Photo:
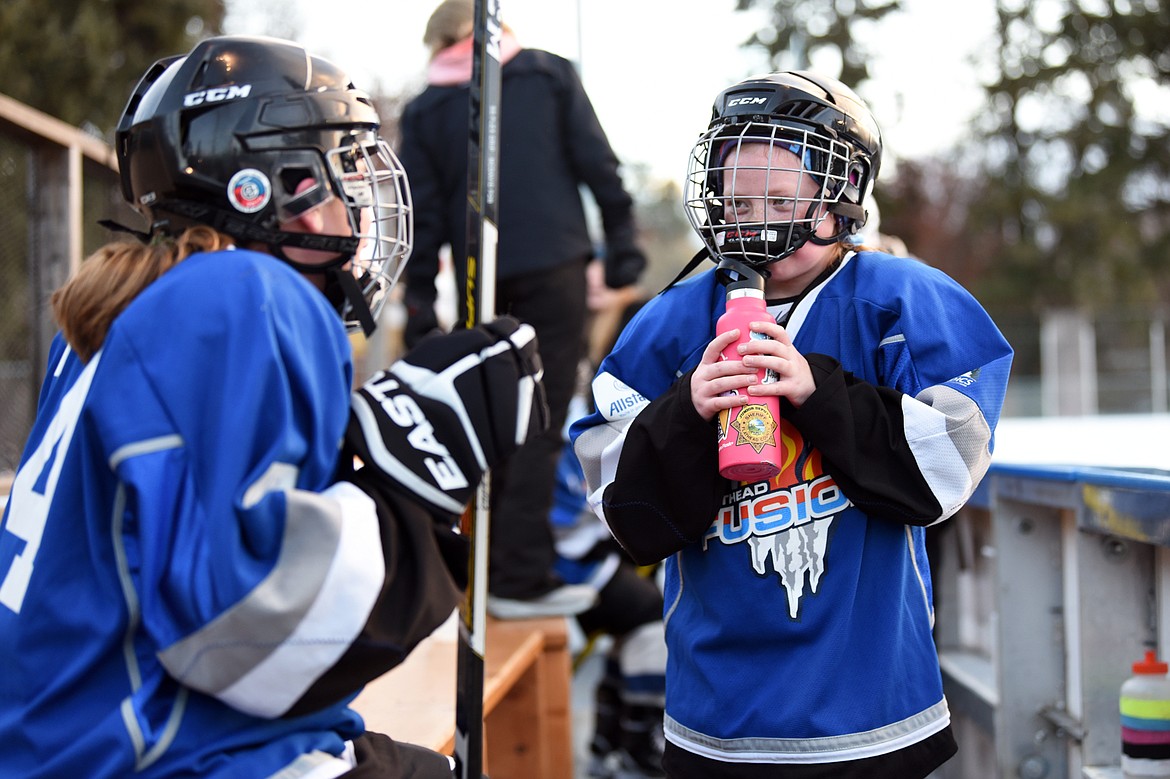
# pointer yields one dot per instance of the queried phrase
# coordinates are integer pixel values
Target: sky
(653, 67)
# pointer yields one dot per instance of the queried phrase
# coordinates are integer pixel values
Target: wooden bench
(526, 701)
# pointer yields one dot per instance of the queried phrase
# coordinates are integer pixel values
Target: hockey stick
(480, 301)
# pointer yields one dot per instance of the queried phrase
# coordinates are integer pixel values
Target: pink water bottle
(749, 436)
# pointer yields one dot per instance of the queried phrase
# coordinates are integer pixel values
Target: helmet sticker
(249, 191)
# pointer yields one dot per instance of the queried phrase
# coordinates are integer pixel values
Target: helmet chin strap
(830, 240)
(842, 214)
(846, 214)
(341, 288)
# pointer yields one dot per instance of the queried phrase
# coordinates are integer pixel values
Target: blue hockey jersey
(177, 569)
(799, 609)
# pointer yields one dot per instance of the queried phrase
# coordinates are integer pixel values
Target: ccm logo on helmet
(746, 101)
(216, 95)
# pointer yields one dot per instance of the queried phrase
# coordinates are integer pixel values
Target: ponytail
(110, 278)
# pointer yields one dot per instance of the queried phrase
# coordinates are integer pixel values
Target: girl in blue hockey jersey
(195, 579)
(798, 609)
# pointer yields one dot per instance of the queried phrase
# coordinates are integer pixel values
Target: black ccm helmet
(224, 135)
(792, 121)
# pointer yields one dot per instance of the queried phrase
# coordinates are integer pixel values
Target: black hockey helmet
(224, 135)
(830, 135)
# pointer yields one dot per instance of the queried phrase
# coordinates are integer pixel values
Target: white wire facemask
(756, 192)
(373, 185)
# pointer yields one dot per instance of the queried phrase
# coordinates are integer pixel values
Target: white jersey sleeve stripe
(598, 449)
(295, 625)
(149, 446)
(951, 442)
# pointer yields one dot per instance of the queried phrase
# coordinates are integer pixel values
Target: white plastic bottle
(1145, 720)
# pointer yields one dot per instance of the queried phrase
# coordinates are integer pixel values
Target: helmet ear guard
(851, 204)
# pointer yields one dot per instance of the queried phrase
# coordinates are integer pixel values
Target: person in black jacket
(550, 144)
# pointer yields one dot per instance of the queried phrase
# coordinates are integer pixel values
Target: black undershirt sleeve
(667, 489)
(860, 430)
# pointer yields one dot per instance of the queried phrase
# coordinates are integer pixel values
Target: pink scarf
(452, 65)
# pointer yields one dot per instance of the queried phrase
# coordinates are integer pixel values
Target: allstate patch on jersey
(615, 399)
(249, 191)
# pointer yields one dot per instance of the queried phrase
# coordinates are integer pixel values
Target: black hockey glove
(450, 409)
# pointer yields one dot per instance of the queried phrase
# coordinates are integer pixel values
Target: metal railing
(1050, 585)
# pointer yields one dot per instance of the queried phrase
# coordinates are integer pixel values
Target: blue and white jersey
(798, 609)
(176, 567)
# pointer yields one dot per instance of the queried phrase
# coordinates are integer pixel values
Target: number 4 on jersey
(33, 488)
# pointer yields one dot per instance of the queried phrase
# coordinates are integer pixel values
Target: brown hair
(110, 278)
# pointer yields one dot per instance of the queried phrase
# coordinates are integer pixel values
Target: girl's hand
(714, 377)
(794, 379)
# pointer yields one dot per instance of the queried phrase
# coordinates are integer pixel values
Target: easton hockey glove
(452, 408)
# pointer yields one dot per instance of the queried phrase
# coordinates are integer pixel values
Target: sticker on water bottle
(755, 426)
(770, 376)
